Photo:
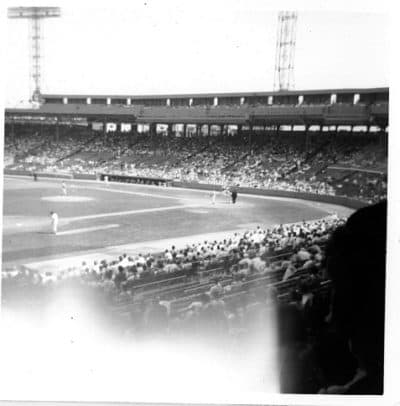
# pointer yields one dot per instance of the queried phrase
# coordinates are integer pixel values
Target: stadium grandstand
(330, 142)
(326, 146)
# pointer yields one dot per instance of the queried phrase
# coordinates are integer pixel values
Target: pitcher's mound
(66, 199)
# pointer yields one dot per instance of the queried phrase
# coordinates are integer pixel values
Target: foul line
(87, 229)
(128, 212)
(127, 192)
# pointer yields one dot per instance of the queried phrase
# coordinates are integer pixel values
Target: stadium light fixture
(35, 15)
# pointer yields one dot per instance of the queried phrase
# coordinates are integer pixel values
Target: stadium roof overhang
(307, 115)
(341, 114)
(90, 112)
(231, 94)
(194, 120)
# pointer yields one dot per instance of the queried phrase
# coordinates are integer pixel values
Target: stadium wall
(338, 200)
(40, 174)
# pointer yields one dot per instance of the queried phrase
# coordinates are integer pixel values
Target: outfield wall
(39, 174)
(338, 200)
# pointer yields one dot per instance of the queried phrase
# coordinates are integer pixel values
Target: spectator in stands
(120, 277)
(356, 262)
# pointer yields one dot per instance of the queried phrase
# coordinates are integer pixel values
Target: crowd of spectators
(243, 254)
(208, 290)
(230, 291)
(230, 288)
(284, 162)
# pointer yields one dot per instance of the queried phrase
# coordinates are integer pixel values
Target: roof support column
(250, 140)
(104, 128)
(12, 133)
(170, 130)
(307, 138)
(57, 129)
(152, 129)
(198, 130)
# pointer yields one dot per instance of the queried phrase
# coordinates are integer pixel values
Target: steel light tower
(285, 49)
(35, 15)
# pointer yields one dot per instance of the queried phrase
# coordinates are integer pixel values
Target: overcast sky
(153, 47)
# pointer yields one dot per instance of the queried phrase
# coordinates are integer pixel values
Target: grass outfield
(94, 216)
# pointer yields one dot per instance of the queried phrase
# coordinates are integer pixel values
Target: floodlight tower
(285, 49)
(35, 15)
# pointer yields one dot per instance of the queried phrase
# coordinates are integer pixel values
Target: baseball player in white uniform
(54, 221)
(213, 197)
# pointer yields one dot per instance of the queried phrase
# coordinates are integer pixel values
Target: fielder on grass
(213, 196)
(54, 221)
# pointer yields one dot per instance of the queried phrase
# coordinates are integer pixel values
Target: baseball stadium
(232, 225)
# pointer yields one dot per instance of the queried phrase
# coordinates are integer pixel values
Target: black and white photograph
(195, 202)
